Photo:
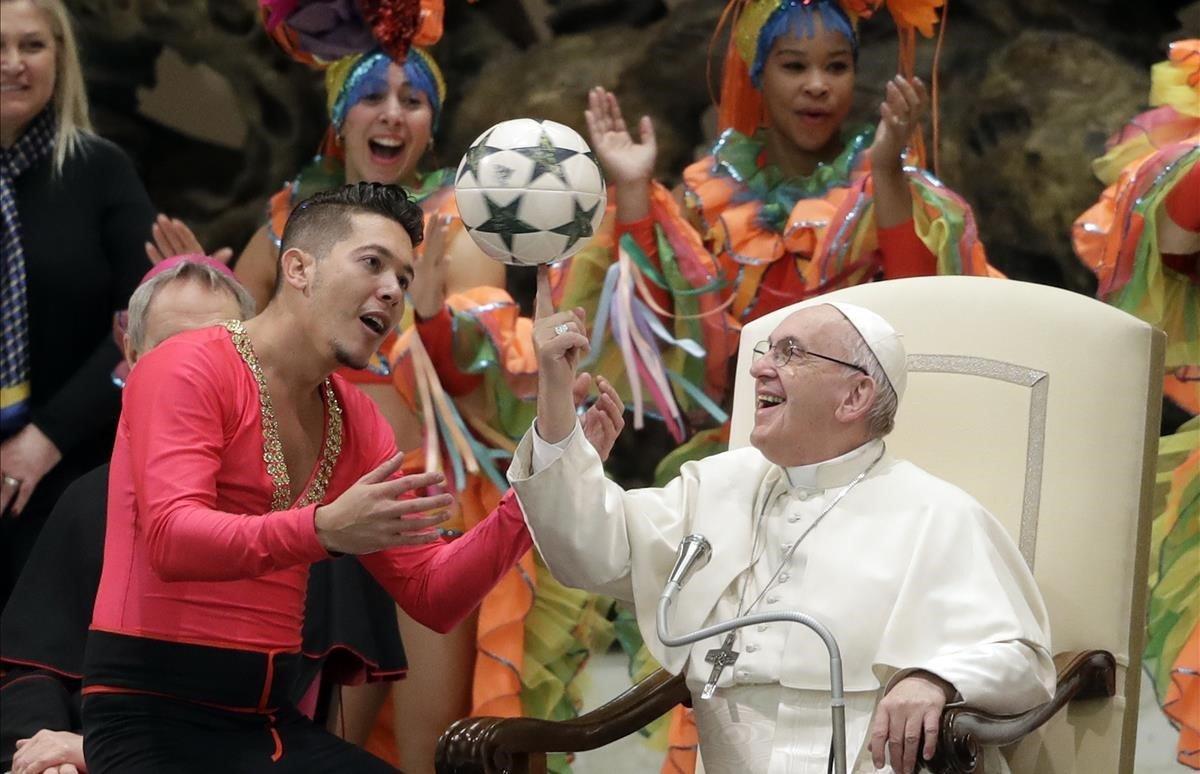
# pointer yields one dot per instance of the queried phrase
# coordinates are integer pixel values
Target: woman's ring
(561, 328)
(12, 481)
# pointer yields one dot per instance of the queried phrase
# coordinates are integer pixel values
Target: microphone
(694, 553)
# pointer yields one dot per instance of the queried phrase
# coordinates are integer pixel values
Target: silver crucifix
(720, 658)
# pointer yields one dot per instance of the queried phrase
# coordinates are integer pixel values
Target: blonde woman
(75, 218)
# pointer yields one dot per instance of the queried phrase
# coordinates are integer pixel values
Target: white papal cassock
(907, 571)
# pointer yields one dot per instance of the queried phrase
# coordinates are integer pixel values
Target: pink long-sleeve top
(193, 551)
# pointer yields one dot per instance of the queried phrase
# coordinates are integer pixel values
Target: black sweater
(83, 234)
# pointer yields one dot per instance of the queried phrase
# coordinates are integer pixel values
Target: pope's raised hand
(560, 340)
(380, 512)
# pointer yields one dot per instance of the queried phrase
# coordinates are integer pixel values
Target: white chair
(1044, 405)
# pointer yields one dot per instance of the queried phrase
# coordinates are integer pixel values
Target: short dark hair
(323, 219)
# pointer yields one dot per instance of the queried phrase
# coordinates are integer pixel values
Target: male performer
(926, 594)
(240, 460)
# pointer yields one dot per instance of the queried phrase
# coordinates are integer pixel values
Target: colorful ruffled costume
(668, 294)
(1152, 172)
(534, 635)
(748, 240)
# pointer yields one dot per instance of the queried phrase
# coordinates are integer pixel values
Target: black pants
(140, 734)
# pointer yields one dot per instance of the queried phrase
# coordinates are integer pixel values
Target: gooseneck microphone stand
(694, 553)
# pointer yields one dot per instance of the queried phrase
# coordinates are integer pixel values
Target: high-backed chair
(1044, 405)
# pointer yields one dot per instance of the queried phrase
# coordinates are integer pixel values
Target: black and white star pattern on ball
(579, 226)
(503, 220)
(547, 158)
(474, 155)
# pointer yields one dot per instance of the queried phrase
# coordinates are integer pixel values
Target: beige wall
(194, 100)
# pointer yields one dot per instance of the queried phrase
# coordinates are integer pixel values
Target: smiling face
(810, 409)
(808, 88)
(27, 65)
(355, 293)
(388, 129)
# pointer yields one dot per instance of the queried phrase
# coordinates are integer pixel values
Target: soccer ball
(530, 192)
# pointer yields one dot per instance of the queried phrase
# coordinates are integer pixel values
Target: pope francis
(926, 594)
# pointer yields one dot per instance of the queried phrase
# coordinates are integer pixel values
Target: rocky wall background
(217, 119)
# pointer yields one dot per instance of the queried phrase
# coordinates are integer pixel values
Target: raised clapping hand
(903, 107)
(624, 159)
(907, 721)
(369, 516)
(428, 287)
(173, 237)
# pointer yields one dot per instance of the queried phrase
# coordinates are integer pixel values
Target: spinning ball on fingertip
(530, 192)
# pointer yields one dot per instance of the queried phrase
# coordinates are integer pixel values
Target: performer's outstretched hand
(560, 339)
(605, 419)
(369, 516)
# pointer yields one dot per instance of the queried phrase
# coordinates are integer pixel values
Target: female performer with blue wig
(789, 203)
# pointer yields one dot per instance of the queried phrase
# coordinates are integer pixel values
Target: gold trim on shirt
(272, 447)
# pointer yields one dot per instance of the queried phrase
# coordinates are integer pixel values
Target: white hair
(881, 418)
(215, 279)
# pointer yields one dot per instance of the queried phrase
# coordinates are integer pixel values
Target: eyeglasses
(785, 350)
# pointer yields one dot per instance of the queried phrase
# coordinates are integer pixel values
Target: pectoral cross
(720, 658)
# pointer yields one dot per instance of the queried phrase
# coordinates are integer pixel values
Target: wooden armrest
(519, 745)
(1082, 675)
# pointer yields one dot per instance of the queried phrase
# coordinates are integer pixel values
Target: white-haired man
(926, 594)
(44, 625)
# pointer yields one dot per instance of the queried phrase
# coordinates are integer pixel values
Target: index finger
(385, 470)
(411, 483)
(544, 303)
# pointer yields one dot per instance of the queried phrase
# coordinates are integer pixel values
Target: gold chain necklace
(272, 447)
